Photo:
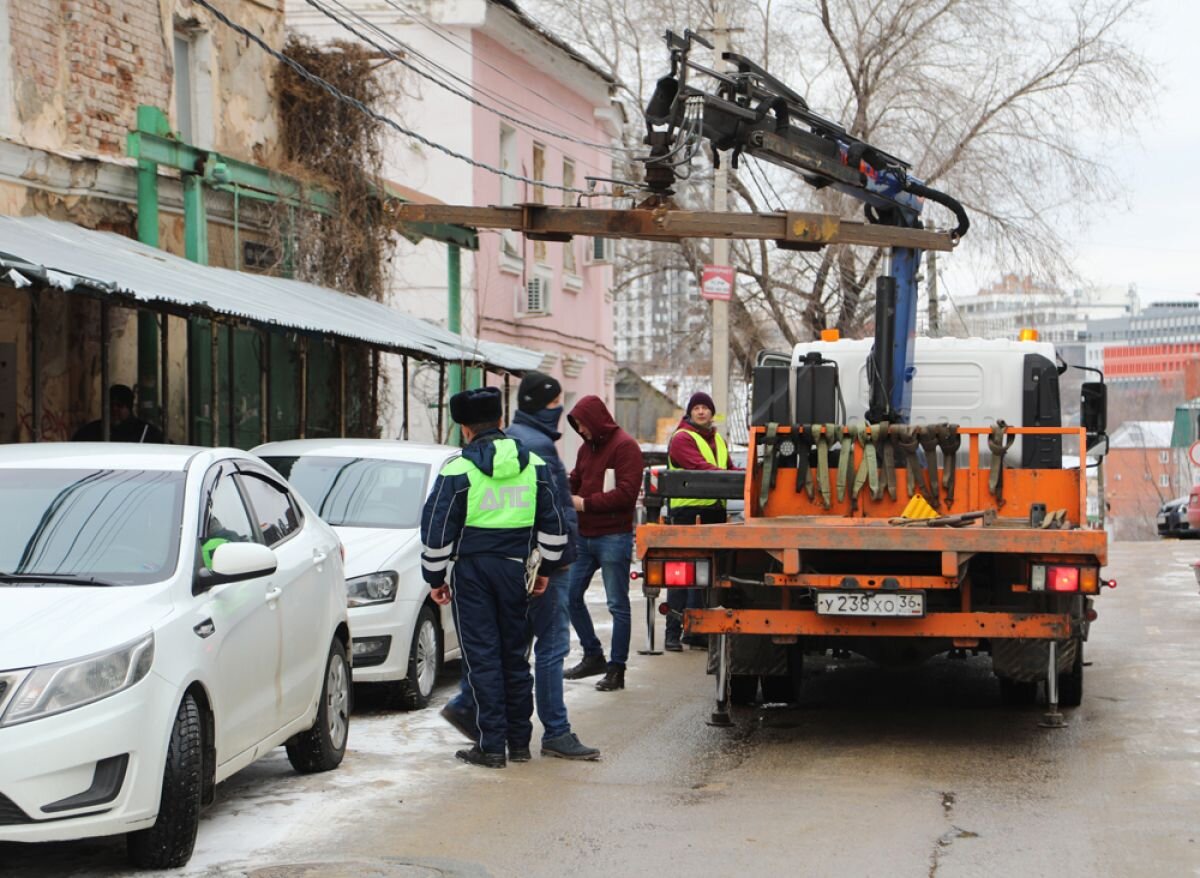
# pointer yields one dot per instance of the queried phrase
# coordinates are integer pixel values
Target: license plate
(871, 603)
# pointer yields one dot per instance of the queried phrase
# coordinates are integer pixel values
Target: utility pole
(720, 253)
(935, 326)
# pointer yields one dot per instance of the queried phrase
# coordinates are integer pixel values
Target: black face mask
(549, 417)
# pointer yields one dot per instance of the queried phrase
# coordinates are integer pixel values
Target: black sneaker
(462, 721)
(519, 754)
(475, 756)
(569, 746)
(590, 666)
(672, 644)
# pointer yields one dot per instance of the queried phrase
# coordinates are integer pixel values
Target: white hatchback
(372, 491)
(167, 616)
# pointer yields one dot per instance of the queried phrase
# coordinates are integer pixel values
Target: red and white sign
(716, 282)
(1194, 453)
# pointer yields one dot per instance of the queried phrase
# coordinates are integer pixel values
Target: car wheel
(168, 843)
(323, 746)
(424, 663)
(1070, 684)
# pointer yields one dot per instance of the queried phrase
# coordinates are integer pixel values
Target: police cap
(478, 406)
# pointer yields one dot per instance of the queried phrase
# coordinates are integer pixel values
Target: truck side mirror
(1093, 408)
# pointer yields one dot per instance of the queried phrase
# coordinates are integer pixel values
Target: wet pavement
(918, 772)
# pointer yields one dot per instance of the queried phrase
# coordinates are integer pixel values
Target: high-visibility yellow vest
(720, 460)
(507, 499)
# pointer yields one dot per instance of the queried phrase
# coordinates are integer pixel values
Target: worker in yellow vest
(695, 445)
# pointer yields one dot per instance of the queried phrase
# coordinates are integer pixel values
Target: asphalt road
(913, 773)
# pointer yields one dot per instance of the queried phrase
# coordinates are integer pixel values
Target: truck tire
(1070, 684)
(424, 663)
(322, 747)
(743, 688)
(168, 843)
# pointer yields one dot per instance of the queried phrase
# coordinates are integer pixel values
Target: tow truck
(903, 497)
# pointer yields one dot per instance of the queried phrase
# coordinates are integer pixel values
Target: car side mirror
(236, 562)
(1093, 409)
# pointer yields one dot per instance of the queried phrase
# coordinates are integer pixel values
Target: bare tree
(1004, 105)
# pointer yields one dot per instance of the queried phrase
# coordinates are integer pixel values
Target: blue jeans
(611, 555)
(550, 628)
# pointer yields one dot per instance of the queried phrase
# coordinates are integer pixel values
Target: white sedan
(372, 492)
(167, 616)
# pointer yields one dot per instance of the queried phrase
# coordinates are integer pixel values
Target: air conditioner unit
(537, 295)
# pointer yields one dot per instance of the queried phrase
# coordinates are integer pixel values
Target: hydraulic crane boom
(753, 113)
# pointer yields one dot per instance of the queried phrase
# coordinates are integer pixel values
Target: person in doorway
(488, 510)
(535, 426)
(695, 445)
(123, 425)
(604, 488)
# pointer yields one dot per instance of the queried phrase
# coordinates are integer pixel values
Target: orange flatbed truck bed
(998, 585)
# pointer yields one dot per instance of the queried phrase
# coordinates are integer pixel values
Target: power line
(560, 135)
(306, 74)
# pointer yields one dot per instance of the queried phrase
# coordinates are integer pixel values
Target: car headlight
(374, 588)
(51, 689)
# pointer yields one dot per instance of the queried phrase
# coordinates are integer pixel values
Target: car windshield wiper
(54, 578)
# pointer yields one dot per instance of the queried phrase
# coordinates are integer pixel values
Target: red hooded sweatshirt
(604, 512)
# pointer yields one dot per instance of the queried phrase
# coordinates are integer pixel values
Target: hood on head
(497, 455)
(593, 414)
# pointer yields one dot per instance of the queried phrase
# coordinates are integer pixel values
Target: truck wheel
(168, 843)
(743, 688)
(323, 746)
(1018, 693)
(424, 662)
(1070, 684)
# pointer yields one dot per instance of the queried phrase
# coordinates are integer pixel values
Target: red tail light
(1062, 579)
(680, 573)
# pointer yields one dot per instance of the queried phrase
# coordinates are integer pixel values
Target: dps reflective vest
(720, 460)
(496, 499)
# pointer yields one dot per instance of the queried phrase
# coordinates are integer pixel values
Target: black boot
(671, 643)
(475, 756)
(589, 666)
(614, 679)
(517, 753)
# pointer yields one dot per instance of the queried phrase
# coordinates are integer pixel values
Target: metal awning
(74, 259)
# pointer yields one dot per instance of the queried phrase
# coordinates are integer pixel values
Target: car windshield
(115, 526)
(358, 491)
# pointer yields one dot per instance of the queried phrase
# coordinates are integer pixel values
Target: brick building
(1141, 472)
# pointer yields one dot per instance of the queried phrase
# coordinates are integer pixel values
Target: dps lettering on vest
(720, 460)
(508, 502)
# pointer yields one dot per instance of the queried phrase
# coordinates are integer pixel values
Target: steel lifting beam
(805, 231)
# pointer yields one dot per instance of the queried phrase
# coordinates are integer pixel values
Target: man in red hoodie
(695, 445)
(604, 488)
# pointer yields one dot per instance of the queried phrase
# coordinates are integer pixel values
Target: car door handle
(319, 556)
(204, 629)
(273, 594)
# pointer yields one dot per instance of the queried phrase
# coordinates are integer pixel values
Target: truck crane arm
(751, 112)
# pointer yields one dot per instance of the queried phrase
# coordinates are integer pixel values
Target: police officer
(487, 512)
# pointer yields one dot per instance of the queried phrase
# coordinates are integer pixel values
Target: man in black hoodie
(488, 510)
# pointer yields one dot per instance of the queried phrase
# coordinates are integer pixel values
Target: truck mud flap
(753, 654)
(1025, 660)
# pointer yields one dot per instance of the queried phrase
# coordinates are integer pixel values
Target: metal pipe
(231, 400)
(454, 319)
(507, 393)
(264, 385)
(105, 407)
(374, 427)
(151, 395)
(35, 364)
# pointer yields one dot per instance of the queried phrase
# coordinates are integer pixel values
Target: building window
(184, 120)
(193, 87)
(1164, 456)
(508, 187)
(539, 195)
(1164, 481)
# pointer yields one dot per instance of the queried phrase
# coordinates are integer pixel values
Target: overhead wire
(307, 75)
(557, 134)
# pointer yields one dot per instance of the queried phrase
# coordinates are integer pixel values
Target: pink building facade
(550, 297)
